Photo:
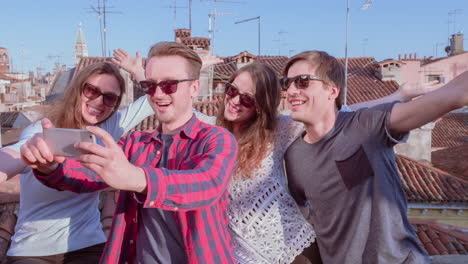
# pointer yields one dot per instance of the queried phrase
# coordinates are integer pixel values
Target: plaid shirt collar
(189, 129)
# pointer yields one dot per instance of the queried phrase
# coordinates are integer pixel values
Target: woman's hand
(134, 65)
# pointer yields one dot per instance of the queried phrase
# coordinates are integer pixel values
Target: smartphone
(61, 141)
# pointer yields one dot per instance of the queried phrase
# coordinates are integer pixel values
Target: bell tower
(81, 49)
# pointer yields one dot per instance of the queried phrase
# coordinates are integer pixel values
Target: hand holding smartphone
(61, 141)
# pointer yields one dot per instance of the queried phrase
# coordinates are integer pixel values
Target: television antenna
(101, 10)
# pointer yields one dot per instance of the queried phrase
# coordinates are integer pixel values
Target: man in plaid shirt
(173, 201)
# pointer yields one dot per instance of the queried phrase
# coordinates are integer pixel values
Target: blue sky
(37, 32)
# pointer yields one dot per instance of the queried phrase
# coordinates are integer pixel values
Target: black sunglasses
(168, 87)
(92, 92)
(300, 81)
(245, 99)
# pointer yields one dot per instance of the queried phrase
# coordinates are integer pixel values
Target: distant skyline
(40, 33)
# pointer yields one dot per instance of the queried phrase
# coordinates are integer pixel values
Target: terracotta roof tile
(86, 61)
(424, 183)
(450, 131)
(452, 160)
(224, 70)
(275, 62)
(440, 239)
(7, 119)
(362, 82)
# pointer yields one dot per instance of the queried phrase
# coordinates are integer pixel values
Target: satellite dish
(447, 49)
(366, 5)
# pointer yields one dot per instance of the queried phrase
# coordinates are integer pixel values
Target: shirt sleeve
(205, 118)
(376, 123)
(127, 118)
(200, 181)
(71, 176)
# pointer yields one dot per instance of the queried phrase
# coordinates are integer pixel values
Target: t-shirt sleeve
(127, 118)
(376, 122)
(287, 131)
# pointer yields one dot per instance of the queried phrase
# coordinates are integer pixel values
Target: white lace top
(266, 224)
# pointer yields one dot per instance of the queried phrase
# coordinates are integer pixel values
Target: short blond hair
(167, 48)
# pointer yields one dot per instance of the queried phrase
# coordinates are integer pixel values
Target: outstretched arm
(134, 65)
(11, 164)
(406, 92)
(413, 114)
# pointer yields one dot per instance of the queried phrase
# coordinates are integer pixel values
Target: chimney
(399, 56)
(405, 57)
(456, 44)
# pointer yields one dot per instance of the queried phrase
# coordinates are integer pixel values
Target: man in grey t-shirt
(344, 167)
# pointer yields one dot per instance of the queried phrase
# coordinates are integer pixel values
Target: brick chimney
(456, 44)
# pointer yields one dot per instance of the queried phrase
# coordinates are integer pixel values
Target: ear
(334, 92)
(194, 88)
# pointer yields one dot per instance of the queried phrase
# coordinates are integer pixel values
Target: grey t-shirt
(159, 239)
(350, 181)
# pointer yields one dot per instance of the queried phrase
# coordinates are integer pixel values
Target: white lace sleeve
(287, 131)
(211, 120)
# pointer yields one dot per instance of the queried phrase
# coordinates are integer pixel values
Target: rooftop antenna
(174, 7)
(280, 40)
(250, 19)
(452, 20)
(212, 20)
(364, 45)
(101, 11)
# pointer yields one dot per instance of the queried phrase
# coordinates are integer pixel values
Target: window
(439, 78)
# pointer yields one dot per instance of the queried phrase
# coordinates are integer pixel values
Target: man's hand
(36, 154)
(111, 164)
(134, 65)
(408, 91)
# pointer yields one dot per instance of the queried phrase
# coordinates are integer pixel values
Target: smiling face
(95, 111)
(234, 111)
(311, 104)
(173, 110)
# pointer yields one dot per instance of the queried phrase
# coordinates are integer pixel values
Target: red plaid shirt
(201, 161)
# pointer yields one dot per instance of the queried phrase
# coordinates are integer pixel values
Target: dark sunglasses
(168, 87)
(300, 81)
(245, 99)
(92, 92)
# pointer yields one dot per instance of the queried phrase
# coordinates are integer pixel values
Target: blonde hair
(165, 48)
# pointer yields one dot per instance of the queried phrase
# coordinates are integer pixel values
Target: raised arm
(11, 164)
(414, 114)
(405, 93)
(134, 65)
(202, 182)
